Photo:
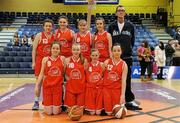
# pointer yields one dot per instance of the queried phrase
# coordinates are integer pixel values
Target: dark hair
(94, 50)
(162, 45)
(116, 44)
(99, 18)
(64, 17)
(146, 44)
(48, 20)
(118, 7)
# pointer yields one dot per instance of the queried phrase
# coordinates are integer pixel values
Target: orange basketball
(119, 111)
(75, 112)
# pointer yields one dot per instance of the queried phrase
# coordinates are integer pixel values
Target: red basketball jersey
(94, 75)
(53, 72)
(85, 42)
(102, 44)
(75, 72)
(66, 39)
(44, 45)
(113, 74)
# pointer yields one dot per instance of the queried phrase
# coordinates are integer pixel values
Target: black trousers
(129, 96)
(160, 73)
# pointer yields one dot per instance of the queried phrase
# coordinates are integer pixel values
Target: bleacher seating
(16, 60)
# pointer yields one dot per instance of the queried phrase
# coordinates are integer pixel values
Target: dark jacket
(125, 38)
(169, 50)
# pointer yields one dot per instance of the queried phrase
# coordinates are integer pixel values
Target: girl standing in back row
(102, 40)
(65, 36)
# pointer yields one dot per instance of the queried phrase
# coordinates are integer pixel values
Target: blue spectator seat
(14, 65)
(21, 53)
(28, 53)
(29, 48)
(18, 59)
(8, 48)
(27, 59)
(15, 48)
(5, 65)
(24, 65)
(9, 59)
(9, 44)
(23, 48)
(2, 59)
(5, 53)
(12, 53)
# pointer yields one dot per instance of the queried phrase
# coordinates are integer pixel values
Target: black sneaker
(103, 113)
(132, 107)
(35, 106)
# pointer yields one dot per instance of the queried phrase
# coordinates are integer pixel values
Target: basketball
(119, 111)
(75, 112)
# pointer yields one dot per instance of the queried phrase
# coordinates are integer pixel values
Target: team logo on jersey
(84, 47)
(90, 69)
(75, 74)
(109, 67)
(45, 41)
(46, 49)
(112, 75)
(126, 33)
(63, 42)
(94, 77)
(49, 63)
(99, 45)
(71, 65)
(54, 71)
(78, 40)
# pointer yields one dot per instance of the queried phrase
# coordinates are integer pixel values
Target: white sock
(36, 99)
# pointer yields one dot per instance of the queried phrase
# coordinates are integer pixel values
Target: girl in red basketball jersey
(65, 36)
(94, 82)
(41, 48)
(102, 40)
(75, 76)
(84, 37)
(114, 84)
(52, 72)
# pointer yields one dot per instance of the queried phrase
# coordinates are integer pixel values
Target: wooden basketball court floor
(160, 100)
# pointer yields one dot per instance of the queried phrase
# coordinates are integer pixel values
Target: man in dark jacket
(122, 32)
(169, 50)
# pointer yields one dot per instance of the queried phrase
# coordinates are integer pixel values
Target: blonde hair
(80, 55)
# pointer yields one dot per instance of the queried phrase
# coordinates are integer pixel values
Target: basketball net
(91, 4)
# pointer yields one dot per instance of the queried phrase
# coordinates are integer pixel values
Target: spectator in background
(32, 39)
(150, 65)
(160, 59)
(178, 35)
(24, 41)
(144, 54)
(16, 39)
(176, 57)
(169, 50)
